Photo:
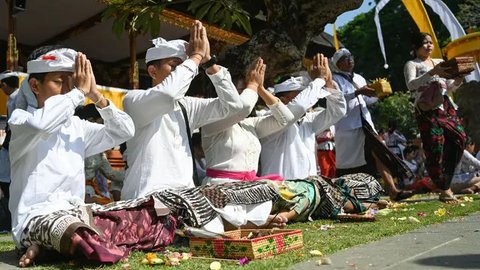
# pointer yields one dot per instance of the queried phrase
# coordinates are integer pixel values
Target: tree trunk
(290, 26)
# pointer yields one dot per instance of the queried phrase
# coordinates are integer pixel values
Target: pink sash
(242, 176)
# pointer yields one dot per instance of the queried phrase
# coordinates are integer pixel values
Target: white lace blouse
(416, 76)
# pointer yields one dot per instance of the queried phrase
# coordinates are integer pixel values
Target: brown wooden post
(134, 80)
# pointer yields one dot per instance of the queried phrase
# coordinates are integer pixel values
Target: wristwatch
(209, 63)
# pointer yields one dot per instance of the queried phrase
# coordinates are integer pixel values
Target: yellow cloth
(420, 16)
(114, 94)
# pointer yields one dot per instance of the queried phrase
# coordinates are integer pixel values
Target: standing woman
(442, 134)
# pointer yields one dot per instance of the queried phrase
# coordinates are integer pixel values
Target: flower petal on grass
(215, 265)
(316, 252)
(440, 212)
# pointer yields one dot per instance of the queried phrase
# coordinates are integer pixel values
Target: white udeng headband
(57, 60)
(8, 74)
(292, 84)
(339, 54)
(166, 49)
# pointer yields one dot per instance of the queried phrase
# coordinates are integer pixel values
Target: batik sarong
(102, 233)
(443, 139)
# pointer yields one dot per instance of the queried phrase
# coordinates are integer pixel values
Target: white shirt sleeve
(204, 111)
(413, 82)
(117, 128)
(470, 160)
(336, 109)
(267, 125)
(249, 99)
(28, 128)
(146, 105)
(307, 98)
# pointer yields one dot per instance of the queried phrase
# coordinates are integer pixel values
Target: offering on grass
(251, 244)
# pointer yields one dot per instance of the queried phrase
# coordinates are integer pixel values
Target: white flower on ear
(157, 42)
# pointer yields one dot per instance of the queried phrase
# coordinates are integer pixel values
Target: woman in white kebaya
(232, 146)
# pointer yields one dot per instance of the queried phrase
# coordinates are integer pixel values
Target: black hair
(86, 112)
(154, 62)
(409, 149)
(392, 124)
(417, 41)
(469, 141)
(11, 81)
(36, 54)
(197, 139)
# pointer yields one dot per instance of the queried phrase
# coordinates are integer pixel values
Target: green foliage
(398, 108)
(143, 16)
(137, 16)
(469, 14)
(224, 13)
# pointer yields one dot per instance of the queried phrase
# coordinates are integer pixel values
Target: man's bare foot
(446, 196)
(29, 257)
(278, 221)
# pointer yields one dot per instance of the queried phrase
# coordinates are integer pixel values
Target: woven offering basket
(459, 66)
(382, 89)
(238, 246)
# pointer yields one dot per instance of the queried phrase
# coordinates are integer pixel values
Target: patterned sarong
(103, 233)
(443, 139)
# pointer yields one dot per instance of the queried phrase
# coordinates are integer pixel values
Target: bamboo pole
(134, 80)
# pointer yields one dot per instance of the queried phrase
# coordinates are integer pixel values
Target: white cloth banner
(379, 7)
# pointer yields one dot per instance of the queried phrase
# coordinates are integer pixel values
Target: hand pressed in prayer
(255, 74)
(319, 68)
(83, 72)
(198, 44)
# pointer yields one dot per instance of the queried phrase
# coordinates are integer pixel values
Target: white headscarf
(164, 49)
(53, 61)
(57, 60)
(7, 74)
(292, 84)
(339, 54)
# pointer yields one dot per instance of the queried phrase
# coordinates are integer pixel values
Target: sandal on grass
(448, 199)
(402, 195)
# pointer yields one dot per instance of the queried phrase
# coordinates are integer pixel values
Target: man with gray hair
(357, 150)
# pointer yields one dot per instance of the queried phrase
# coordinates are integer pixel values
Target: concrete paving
(451, 245)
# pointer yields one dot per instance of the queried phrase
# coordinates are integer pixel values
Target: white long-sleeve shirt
(291, 152)
(47, 153)
(232, 144)
(352, 119)
(159, 156)
(467, 168)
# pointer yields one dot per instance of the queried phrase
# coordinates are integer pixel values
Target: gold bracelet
(99, 100)
(201, 56)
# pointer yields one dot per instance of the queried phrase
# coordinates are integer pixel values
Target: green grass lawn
(343, 235)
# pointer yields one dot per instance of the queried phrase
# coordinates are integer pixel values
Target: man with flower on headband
(159, 157)
(47, 153)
